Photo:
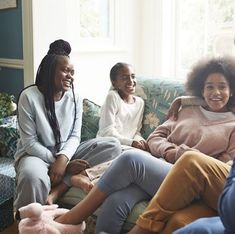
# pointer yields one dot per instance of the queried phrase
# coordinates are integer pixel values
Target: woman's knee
(128, 160)
(109, 145)
(134, 156)
(33, 177)
(112, 142)
(193, 159)
(201, 162)
(140, 162)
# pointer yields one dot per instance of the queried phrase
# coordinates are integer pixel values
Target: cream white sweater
(120, 119)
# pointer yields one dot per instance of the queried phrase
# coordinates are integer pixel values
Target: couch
(157, 93)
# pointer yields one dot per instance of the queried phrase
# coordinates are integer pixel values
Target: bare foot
(82, 182)
(56, 192)
(50, 199)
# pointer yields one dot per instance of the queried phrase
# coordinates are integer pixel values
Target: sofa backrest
(158, 94)
(90, 120)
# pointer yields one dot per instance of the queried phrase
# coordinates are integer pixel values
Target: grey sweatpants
(33, 182)
(133, 177)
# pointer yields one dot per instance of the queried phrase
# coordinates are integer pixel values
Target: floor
(13, 229)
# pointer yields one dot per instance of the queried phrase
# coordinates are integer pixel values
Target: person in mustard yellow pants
(193, 185)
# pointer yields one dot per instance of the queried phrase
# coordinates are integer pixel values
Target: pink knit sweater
(211, 133)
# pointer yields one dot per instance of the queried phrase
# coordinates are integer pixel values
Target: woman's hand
(224, 157)
(174, 109)
(170, 156)
(143, 145)
(57, 170)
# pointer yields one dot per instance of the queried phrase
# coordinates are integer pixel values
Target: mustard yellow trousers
(190, 191)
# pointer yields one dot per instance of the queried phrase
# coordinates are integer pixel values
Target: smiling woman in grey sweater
(49, 118)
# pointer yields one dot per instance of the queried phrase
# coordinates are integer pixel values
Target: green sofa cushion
(158, 95)
(90, 120)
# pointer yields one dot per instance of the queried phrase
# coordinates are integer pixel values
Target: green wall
(11, 47)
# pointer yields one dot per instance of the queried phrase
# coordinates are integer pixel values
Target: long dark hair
(45, 80)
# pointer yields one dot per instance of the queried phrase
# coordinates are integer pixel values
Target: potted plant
(7, 105)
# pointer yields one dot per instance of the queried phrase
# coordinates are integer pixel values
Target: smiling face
(125, 82)
(63, 76)
(216, 92)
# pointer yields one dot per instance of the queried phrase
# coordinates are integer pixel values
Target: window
(94, 19)
(204, 28)
(195, 29)
(96, 23)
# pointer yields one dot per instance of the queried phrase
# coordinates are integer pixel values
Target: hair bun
(59, 47)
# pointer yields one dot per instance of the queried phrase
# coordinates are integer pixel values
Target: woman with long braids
(49, 118)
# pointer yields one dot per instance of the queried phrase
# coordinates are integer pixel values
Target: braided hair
(45, 79)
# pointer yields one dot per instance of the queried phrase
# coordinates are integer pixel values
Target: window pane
(94, 19)
(203, 28)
